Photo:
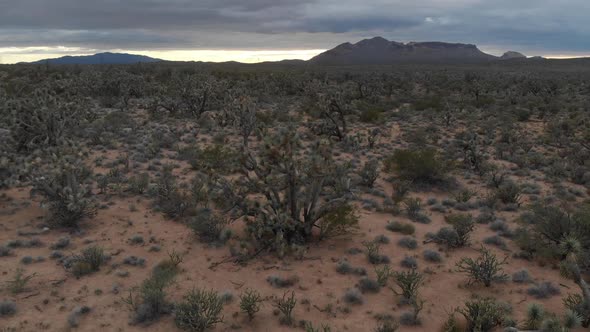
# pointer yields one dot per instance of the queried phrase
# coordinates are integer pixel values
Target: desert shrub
(367, 285)
(149, 302)
(66, 192)
(571, 319)
(413, 207)
(341, 220)
(463, 196)
(408, 283)
(74, 316)
(285, 306)
(344, 267)
(408, 242)
(134, 261)
(509, 193)
(353, 296)
(401, 188)
(370, 113)
(387, 326)
(535, 316)
(417, 166)
(7, 308)
(369, 173)
(521, 276)
(383, 274)
(250, 302)
(19, 283)
(138, 184)
(413, 318)
(463, 225)
(400, 227)
(543, 290)
(446, 235)
(409, 262)
(373, 255)
(169, 199)
(136, 239)
(576, 304)
(5, 251)
(483, 315)
(217, 157)
(200, 310)
(485, 268)
(432, 256)
(88, 261)
(280, 282)
(168, 268)
(61, 243)
(209, 226)
(496, 241)
(381, 239)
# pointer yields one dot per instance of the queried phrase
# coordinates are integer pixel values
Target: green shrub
(485, 269)
(483, 315)
(369, 173)
(418, 166)
(199, 311)
(66, 192)
(339, 221)
(401, 227)
(209, 226)
(409, 283)
(88, 261)
(463, 225)
(250, 302)
(285, 306)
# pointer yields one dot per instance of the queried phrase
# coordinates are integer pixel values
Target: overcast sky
(258, 30)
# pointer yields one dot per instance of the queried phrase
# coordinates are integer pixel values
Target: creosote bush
(423, 166)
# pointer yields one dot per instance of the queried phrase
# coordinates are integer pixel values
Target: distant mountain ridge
(106, 58)
(379, 50)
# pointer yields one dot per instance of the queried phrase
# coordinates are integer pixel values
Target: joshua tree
(299, 191)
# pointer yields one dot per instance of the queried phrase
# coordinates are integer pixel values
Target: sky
(266, 30)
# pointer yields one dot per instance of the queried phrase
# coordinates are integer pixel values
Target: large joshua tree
(299, 191)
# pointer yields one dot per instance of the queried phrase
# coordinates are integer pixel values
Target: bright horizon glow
(12, 55)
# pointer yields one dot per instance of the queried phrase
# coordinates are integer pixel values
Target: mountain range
(380, 51)
(374, 51)
(106, 58)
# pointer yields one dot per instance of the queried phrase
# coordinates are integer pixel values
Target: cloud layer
(539, 26)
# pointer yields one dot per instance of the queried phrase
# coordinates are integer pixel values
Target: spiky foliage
(285, 305)
(66, 192)
(299, 192)
(200, 310)
(19, 283)
(250, 302)
(409, 283)
(170, 199)
(43, 119)
(482, 315)
(485, 268)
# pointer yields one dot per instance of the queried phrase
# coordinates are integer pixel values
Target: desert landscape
(431, 188)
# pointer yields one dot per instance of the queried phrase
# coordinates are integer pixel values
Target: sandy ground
(53, 293)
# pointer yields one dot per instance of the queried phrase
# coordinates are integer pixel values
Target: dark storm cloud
(238, 24)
